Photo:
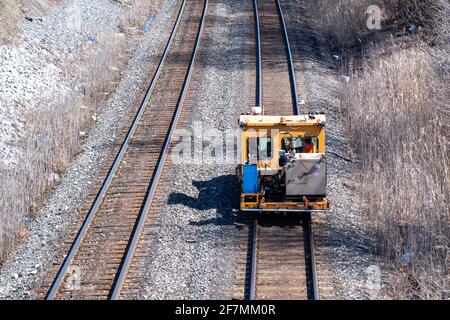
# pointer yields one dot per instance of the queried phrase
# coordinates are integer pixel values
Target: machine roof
(267, 121)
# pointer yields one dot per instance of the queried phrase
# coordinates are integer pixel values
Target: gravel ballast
(25, 268)
(197, 247)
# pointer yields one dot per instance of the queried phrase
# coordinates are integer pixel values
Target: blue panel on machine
(250, 179)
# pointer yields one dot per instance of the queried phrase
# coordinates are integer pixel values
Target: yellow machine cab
(282, 164)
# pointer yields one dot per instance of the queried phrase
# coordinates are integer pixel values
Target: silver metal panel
(305, 177)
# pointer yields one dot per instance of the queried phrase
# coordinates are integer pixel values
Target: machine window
(286, 143)
(259, 148)
(299, 143)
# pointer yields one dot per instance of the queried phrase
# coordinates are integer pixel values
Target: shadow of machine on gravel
(220, 193)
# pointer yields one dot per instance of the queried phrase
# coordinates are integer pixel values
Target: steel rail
(117, 160)
(253, 261)
(154, 181)
(312, 259)
(259, 103)
(259, 92)
(290, 60)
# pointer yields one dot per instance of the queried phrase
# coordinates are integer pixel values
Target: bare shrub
(101, 65)
(441, 37)
(137, 13)
(395, 116)
(345, 21)
(11, 209)
(53, 138)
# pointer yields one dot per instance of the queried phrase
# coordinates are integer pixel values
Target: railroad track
(278, 251)
(277, 88)
(282, 259)
(100, 256)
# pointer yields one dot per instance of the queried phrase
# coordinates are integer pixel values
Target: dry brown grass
(397, 111)
(53, 138)
(396, 107)
(344, 21)
(55, 132)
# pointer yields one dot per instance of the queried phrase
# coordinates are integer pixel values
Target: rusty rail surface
(282, 266)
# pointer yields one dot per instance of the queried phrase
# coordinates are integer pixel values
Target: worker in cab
(308, 146)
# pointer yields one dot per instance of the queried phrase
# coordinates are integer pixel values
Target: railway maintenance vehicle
(282, 166)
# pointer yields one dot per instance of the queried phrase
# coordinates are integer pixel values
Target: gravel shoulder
(26, 266)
